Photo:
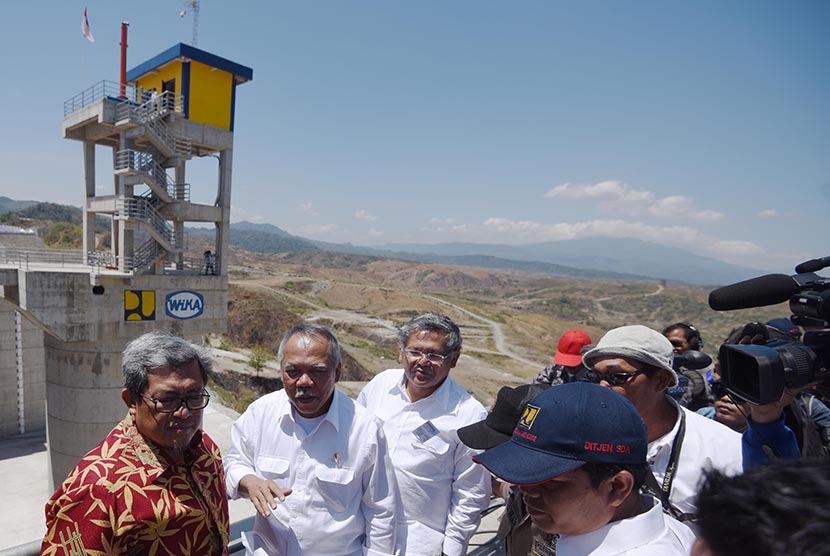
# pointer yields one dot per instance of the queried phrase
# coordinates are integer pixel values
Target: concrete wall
(34, 379)
(83, 358)
(8, 372)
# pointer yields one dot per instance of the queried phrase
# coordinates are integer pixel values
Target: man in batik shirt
(155, 484)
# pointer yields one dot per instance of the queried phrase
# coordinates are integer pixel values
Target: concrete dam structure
(65, 316)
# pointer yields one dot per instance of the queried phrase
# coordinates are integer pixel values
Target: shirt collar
(332, 415)
(154, 458)
(618, 537)
(441, 396)
(658, 444)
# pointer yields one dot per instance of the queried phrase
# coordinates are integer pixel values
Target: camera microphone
(770, 289)
(813, 265)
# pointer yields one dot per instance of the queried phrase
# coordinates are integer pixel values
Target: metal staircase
(146, 122)
(156, 148)
(143, 164)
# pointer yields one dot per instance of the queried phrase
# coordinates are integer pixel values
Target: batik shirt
(127, 497)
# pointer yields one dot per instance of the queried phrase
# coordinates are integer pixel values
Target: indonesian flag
(85, 28)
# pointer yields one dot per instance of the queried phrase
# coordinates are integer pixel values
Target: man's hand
(263, 493)
(771, 412)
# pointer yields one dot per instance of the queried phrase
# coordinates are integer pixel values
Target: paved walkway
(24, 489)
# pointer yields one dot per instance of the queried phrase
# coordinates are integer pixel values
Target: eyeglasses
(172, 405)
(435, 358)
(614, 379)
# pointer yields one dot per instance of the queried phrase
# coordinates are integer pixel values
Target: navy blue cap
(565, 427)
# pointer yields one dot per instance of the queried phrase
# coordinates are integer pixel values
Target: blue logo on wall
(184, 304)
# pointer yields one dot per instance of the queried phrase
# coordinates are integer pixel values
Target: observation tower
(80, 313)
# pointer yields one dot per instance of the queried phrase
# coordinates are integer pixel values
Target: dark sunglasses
(719, 390)
(614, 379)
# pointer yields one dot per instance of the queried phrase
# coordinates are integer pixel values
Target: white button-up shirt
(652, 533)
(344, 499)
(707, 444)
(443, 491)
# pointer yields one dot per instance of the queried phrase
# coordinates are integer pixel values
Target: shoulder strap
(663, 491)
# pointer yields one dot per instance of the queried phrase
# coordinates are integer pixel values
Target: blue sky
(699, 124)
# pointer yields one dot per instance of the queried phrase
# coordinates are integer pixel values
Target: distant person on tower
(443, 492)
(567, 361)
(636, 362)
(155, 484)
(313, 463)
(210, 262)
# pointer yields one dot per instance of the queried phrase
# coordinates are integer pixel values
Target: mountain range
(589, 258)
(599, 258)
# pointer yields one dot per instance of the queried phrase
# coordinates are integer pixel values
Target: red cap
(568, 352)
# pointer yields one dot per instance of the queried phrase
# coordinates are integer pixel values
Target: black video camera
(760, 373)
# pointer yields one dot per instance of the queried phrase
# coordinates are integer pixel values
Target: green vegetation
(238, 401)
(259, 357)
(302, 286)
(376, 349)
(492, 358)
(63, 235)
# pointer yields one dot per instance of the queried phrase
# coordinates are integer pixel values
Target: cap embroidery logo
(529, 415)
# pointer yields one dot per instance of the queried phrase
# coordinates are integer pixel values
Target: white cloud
(707, 215)
(440, 221)
(618, 198)
(768, 213)
(513, 231)
(375, 233)
(365, 215)
(741, 248)
(239, 214)
(322, 229)
(307, 209)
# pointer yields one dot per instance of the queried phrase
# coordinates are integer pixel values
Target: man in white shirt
(636, 361)
(582, 480)
(442, 491)
(313, 463)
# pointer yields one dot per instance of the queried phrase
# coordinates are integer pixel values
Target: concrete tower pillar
(89, 194)
(224, 202)
(178, 225)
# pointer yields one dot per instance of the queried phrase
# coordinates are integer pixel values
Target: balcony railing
(112, 90)
(24, 257)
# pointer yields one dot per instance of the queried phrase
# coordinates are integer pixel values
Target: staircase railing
(151, 115)
(146, 254)
(140, 208)
(144, 162)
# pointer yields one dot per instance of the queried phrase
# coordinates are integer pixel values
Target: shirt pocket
(336, 487)
(435, 445)
(432, 458)
(273, 468)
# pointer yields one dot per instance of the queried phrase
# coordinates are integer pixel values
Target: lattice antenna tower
(192, 6)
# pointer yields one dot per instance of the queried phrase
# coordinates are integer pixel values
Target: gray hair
(315, 330)
(156, 349)
(433, 323)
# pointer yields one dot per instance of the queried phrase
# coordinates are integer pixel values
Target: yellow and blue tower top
(206, 82)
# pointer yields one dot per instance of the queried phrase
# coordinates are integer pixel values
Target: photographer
(795, 425)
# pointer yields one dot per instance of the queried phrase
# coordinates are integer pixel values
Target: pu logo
(529, 415)
(139, 305)
(184, 305)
